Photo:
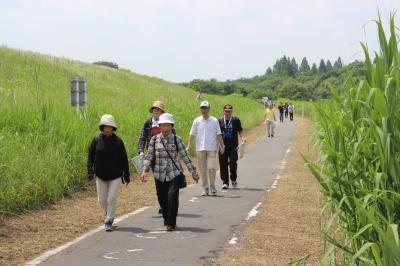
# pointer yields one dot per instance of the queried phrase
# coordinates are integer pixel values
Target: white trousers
(207, 162)
(107, 192)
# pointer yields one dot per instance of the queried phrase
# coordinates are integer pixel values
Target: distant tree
(293, 68)
(322, 66)
(106, 64)
(314, 69)
(304, 66)
(338, 63)
(328, 66)
(269, 71)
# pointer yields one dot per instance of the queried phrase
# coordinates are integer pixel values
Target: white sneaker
(205, 192)
(213, 191)
(225, 186)
(234, 184)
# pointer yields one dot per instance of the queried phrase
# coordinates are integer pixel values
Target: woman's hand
(195, 177)
(144, 176)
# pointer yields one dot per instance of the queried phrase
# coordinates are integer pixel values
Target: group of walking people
(270, 118)
(108, 160)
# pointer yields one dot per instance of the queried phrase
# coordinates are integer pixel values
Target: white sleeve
(218, 128)
(193, 130)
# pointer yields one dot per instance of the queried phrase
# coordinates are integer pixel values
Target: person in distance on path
(291, 111)
(107, 160)
(281, 111)
(207, 132)
(161, 147)
(231, 127)
(270, 119)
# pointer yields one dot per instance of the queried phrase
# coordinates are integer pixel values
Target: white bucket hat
(108, 120)
(166, 118)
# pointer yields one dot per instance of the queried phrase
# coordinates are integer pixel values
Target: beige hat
(108, 120)
(159, 105)
(166, 118)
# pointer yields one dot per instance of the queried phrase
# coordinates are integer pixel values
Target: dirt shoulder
(24, 237)
(288, 225)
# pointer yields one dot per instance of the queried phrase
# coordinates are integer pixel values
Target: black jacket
(107, 158)
(145, 135)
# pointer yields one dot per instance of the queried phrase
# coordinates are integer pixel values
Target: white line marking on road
(53, 252)
(194, 199)
(278, 177)
(135, 250)
(233, 240)
(108, 255)
(191, 185)
(253, 211)
(275, 183)
(185, 237)
(147, 237)
(268, 190)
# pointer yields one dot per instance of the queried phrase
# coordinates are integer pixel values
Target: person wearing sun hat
(108, 161)
(151, 128)
(207, 132)
(161, 147)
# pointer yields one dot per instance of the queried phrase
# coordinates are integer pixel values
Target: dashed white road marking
(53, 252)
(194, 199)
(253, 211)
(108, 255)
(135, 250)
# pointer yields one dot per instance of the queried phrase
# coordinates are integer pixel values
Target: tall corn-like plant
(359, 171)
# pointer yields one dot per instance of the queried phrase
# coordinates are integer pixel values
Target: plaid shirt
(164, 169)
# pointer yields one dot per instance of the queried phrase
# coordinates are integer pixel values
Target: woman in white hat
(164, 149)
(151, 128)
(107, 160)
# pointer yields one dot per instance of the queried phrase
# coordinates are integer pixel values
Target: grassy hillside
(43, 143)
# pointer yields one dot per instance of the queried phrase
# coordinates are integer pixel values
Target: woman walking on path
(151, 128)
(270, 119)
(163, 150)
(107, 160)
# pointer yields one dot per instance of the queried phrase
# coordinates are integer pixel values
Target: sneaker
(170, 228)
(225, 186)
(234, 184)
(272, 135)
(205, 192)
(213, 191)
(108, 225)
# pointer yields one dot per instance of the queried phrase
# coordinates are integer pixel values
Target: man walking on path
(207, 132)
(291, 111)
(281, 111)
(230, 128)
(270, 119)
(286, 106)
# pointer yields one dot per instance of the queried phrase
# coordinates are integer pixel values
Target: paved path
(205, 224)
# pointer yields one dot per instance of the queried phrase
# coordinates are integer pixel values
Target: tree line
(286, 79)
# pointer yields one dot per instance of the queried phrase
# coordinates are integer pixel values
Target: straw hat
(159, 105)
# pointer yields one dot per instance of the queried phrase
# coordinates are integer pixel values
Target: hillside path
(204, 225)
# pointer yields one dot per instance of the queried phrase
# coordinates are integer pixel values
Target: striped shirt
(164, 169)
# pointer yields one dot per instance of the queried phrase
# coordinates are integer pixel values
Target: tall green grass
(43, 143)
(359, 172)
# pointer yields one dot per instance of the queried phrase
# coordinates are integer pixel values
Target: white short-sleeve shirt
(206, 131)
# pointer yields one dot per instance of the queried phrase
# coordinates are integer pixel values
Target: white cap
(166, 118)
(108, 120)
(205, 104)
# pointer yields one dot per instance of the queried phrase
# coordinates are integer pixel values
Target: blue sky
(179, 40)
